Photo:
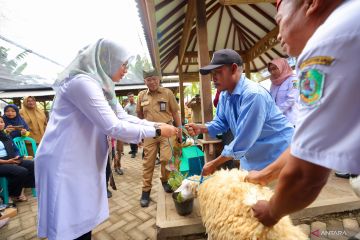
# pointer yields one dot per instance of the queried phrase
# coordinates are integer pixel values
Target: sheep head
(189, 187)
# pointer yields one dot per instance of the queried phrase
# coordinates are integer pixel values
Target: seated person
(15, 125)
(19, 172)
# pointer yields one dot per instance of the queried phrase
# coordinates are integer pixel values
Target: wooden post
(17, 102)
(181, 91)
(203, 59)
(247, 68)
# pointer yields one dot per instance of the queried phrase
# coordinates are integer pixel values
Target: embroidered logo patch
(320, 60)
(295, 84)
(311, 86)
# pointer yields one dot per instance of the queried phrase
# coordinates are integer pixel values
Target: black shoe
(109, 194)
(131, 152)
(145, 199)
(133, 155)
(342, 175)
(356, 237)
(119, 171)
(167, 187)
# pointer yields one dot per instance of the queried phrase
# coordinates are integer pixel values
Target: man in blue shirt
(261, 132)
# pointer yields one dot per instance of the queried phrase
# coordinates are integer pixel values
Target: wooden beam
(150, 28)
(161, 5)
(228, 34)
(192, 49)
(250, 18)
(234, 34)
(191, 77)
(188, 24)
(263, 13)
(171, 13)
(247, 68)
(218, 27)
(181, 91)
(194, 54)
(235, 2)
(172, 25)
(264, 44)
(203, 58)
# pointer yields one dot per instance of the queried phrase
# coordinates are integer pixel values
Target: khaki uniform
(157, 107)
(196, 112)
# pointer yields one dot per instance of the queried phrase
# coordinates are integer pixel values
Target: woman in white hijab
(71, 159)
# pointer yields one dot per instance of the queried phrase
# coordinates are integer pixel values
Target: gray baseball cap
(220, 58)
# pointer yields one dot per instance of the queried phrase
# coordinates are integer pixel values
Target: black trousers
(86, 236)
(108, 172)
(18, 176)
(134, 148)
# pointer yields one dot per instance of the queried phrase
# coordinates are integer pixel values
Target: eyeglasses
(126, 65)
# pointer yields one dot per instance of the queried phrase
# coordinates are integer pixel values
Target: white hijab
(99, 61)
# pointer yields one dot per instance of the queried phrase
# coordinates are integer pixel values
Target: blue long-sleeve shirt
(261, 132)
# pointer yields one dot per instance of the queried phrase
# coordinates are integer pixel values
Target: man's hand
(209, 168)
(179, 135)
(168, 130)
(258, 177)
(262, 212)
(193, 129)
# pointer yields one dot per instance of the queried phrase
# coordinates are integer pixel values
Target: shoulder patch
(294, 84)
(311, 86)
(319, 60)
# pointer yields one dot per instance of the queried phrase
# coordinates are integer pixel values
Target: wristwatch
(157, 130)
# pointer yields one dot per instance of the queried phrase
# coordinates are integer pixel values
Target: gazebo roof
(249, 29)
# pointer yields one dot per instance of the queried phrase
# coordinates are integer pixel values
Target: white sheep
(225, 205)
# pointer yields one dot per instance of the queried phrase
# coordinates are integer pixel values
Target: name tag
(162, 106)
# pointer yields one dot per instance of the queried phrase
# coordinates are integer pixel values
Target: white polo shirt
(328, 127)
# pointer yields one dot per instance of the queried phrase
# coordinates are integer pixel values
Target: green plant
(175, 179)
(179, 198)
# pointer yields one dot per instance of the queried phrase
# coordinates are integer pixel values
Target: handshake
(169, 130)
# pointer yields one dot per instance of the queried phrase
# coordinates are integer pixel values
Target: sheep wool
(225, 202)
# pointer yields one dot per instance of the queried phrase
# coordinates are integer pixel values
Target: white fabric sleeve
(291, 98)
(123, 115)
(327, 133)
(88, 97)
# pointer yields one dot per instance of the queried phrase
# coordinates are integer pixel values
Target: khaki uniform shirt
(196, 112)
(157, 106)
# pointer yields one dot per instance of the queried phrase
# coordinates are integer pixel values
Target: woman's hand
(9, 129)
(14, 160)
(23, 131)
(168, 130)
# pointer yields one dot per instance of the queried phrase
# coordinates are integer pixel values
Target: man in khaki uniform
(156, 104)
(195, 105)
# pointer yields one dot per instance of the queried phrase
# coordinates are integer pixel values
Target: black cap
(151, 73)
(221, 58)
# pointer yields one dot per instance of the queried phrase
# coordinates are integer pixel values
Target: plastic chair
(21, 145)
(20, 142)
(4, 192)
